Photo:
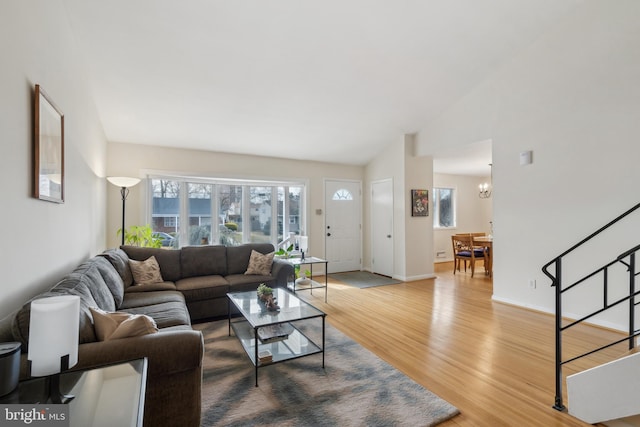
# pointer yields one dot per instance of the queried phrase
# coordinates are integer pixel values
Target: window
(342, 194)
(199, 212)
(444, 213)
(226, 212)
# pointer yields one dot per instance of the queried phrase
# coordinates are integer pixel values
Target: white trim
(569, 316)
(414, 278)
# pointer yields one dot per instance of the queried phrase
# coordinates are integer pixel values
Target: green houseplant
(284, 253)
(264, 291)
(141, 235)
(265, 294)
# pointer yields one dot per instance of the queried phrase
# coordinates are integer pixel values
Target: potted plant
(265, 293)
(284, 253)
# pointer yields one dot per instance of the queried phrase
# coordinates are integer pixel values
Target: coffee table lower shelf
(296, 345)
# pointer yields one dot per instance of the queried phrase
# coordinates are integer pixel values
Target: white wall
(473, 214)
(418, 233)
(573, 98)
(413, 248)
(43, 241)
(135, 160)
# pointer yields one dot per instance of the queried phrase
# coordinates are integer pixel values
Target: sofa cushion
(259, 263)
(111, 277)
(203, 287)
(149, 287)
(165, 314)
(112, 326)
(168, 260)
(238, 256)
(145, 272)
(203, 261)
(87, 277)
(237, 282)
(120, 261)
(141, 299)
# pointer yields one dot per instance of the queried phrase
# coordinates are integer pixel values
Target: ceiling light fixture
(486, 188)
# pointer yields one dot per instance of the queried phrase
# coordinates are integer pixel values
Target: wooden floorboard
(491, 360)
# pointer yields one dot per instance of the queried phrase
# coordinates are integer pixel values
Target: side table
(110, 395)
(313, 285)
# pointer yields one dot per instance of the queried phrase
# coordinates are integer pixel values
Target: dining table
(486, 242)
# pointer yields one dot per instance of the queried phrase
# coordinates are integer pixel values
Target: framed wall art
(48, 151)
(419, 202)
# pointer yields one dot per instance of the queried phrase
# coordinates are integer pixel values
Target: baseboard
(569, 316)
(414, 278)
(406, 278)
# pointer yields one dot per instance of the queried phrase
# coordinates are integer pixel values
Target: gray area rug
(363, 279)
(356, 388)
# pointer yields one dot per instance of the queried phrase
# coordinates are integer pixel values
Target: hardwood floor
(493, 361)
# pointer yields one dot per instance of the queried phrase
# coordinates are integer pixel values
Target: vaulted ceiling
(330, 80)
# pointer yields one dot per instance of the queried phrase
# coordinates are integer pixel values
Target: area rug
(355, 388)
(363, 279)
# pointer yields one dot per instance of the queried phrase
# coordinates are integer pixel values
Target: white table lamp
(303, 245)
(53, 339)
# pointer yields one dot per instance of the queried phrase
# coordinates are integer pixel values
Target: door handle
(328, 234)
(388, 236)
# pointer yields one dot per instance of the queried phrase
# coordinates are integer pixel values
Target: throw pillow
(259, 263)
(112, 326)
(145, 272)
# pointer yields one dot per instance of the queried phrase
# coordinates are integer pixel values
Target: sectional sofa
(194, 284)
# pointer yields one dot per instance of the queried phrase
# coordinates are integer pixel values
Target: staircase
(608, 393)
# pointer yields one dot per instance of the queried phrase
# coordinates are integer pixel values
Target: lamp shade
(53, 333)
(303, 243)
(123, 181)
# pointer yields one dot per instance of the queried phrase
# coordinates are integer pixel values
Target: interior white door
(382, 227)
(343, 226)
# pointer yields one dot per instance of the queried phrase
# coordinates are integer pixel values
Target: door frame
(324, 217)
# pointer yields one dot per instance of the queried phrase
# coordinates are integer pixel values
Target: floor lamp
(124, 183)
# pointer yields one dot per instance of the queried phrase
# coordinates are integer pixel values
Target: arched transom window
(342, 194)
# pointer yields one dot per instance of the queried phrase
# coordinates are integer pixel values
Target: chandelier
(486, 188)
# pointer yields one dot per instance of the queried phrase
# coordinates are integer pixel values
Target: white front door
(343, 230)
(382, 227)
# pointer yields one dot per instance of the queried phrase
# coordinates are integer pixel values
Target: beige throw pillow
(112, 326)
(259, 263)
(145, 272)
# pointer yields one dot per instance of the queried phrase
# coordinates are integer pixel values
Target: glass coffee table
(271, 337)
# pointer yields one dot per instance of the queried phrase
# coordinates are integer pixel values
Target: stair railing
(628, 259)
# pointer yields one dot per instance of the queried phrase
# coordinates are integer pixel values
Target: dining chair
(464, 250)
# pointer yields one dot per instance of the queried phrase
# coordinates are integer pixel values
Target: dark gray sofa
(196, 282)
(204, 274)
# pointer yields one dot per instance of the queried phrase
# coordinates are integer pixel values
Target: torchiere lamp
(124, 183)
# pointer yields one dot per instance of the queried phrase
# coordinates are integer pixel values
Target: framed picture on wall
(419, 202)
(48, 151)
